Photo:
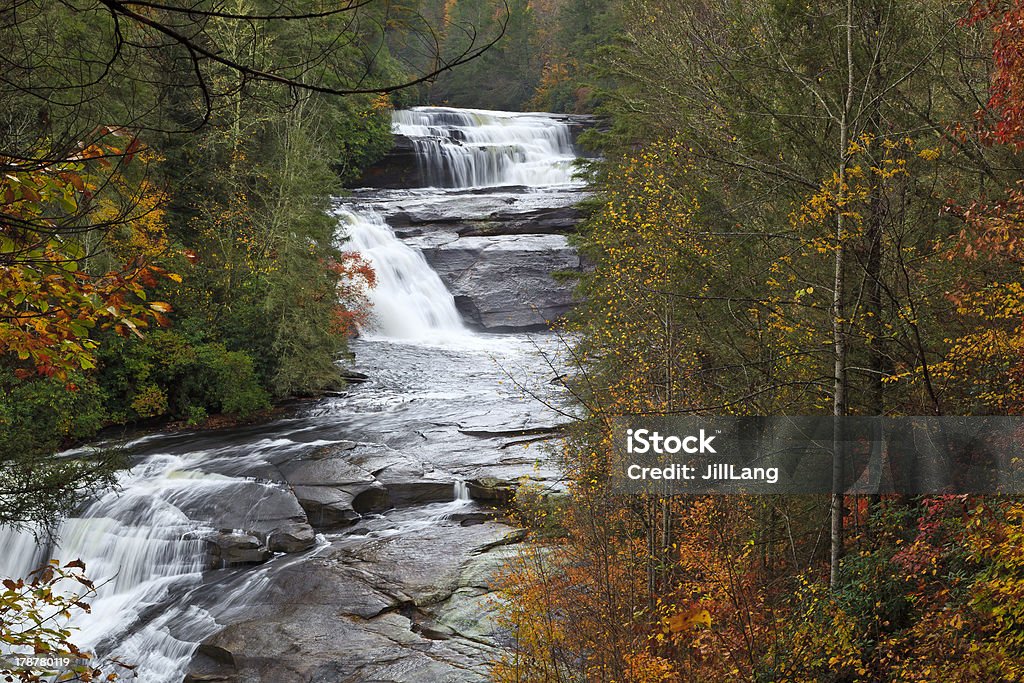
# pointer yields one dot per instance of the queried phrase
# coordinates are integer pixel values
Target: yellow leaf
(688, 620)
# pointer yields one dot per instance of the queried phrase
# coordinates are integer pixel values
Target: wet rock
(361, 613)
(258, 507)
(207, 677)
(492, 490)
(353, 377)
(397, 169)
(523, 431)
(265, 517)
(554, 221)
(402, 494)
(293, 538)
(336, 485)
(326, 469)
(229, 548)
(428, 220)
(211, 663)
(474, 517)
(327, 507)
(507, 283)
(333, 485)
(407, 483)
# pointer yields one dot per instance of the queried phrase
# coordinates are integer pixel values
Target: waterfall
(473, 148)
(22, 552)
(138, 544)
(461, 502)
(456, 148)
(409, 300)
(144, 549)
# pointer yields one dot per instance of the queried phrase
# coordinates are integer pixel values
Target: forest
(803, 209)
(799, 209)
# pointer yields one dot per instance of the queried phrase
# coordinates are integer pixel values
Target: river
(353, 541)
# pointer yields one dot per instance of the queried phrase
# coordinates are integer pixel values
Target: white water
(474, 148)
(139, 547)
(409, 300)
(145, 551)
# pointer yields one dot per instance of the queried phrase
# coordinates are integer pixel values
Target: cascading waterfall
(144, 543)
(455, 148)
(22, 552)
(409, 300)
(139, 545)
(465, 148)
(143, 546)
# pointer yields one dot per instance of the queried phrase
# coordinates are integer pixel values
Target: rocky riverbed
(398, 478)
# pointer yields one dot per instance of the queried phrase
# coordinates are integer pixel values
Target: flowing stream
(442, 406)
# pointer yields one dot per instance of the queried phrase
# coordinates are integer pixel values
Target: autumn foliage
(713, 292)
(355, 276)
(79, 243)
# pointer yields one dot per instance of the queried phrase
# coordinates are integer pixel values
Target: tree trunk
(838, 322)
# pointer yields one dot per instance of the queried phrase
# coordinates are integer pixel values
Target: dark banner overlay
(854, 455)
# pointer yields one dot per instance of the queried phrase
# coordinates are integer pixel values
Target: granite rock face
(392, 609)
(397, 169)
(507, 283)
(336, 485)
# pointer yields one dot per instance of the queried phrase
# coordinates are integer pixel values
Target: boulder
(336, 484)
(211, 664)
(292, 538)
(333, 485)
(492, 490)
(328, 507)
(207, 677)
(258, 507)
(231, 548)
(408, 483)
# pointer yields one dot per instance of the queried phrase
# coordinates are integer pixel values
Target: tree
(506, 76)
(136, 146)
